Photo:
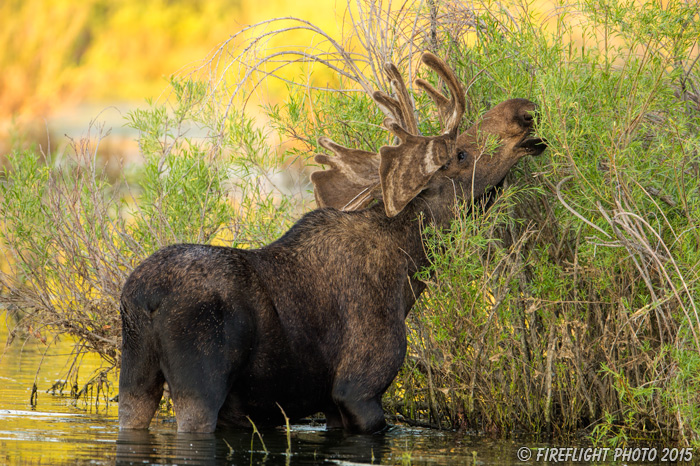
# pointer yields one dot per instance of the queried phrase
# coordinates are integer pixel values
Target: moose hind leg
(140, 390)
(334, 420)
(196, 413)
(199, 386)
(201, 374)
(199, 392)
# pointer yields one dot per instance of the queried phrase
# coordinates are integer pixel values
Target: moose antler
(451, 110)
(403, 170)
(401, 109)
(350, 182)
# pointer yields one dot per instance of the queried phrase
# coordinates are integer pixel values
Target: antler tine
(451, 110)
(395, 174)
(351, 179)
(401, 108)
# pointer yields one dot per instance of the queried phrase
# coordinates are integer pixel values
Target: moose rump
(232, 344)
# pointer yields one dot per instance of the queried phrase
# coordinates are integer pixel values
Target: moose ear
(351, 179)
(406, 169)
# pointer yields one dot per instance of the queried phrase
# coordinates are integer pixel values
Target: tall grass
(72, 236)
(568, 305)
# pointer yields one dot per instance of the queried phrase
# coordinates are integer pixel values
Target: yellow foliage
(54, 53)
(59, 52)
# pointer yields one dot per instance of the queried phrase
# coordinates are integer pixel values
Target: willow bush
(567, 304)
(72, 237)
(572, 305)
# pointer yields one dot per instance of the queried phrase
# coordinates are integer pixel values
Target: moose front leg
(360, 413)
(369, 364)
(334, 420)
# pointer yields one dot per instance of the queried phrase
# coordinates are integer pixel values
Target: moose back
(314, 321)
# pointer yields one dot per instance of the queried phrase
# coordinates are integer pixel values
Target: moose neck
(426, 210)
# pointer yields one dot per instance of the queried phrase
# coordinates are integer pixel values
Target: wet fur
(296, 323)
(312, 322)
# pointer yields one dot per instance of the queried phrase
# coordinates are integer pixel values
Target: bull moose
(315, 321)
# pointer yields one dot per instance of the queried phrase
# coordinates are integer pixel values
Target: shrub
(568, 305)
(572, 304)
(72, 237)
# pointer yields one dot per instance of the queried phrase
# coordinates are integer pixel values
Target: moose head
(438, 167)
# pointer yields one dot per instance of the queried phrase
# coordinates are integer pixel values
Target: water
(59, 431)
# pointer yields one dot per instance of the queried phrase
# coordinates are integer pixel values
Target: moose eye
(461, 155)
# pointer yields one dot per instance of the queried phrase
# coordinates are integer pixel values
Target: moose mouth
(532, 145)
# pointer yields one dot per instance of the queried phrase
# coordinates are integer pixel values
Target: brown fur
(313, 321)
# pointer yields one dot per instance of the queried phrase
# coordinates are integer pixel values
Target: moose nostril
(528, 118)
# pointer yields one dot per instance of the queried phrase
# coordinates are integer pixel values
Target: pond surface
(60, 431)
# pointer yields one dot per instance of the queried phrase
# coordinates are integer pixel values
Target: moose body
(234, 332)
(315, 321)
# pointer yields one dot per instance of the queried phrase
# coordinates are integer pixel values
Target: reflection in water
(309, 445)
(166, 448)
(59, 431)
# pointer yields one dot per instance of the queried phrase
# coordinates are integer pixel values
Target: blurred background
(64, 63)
